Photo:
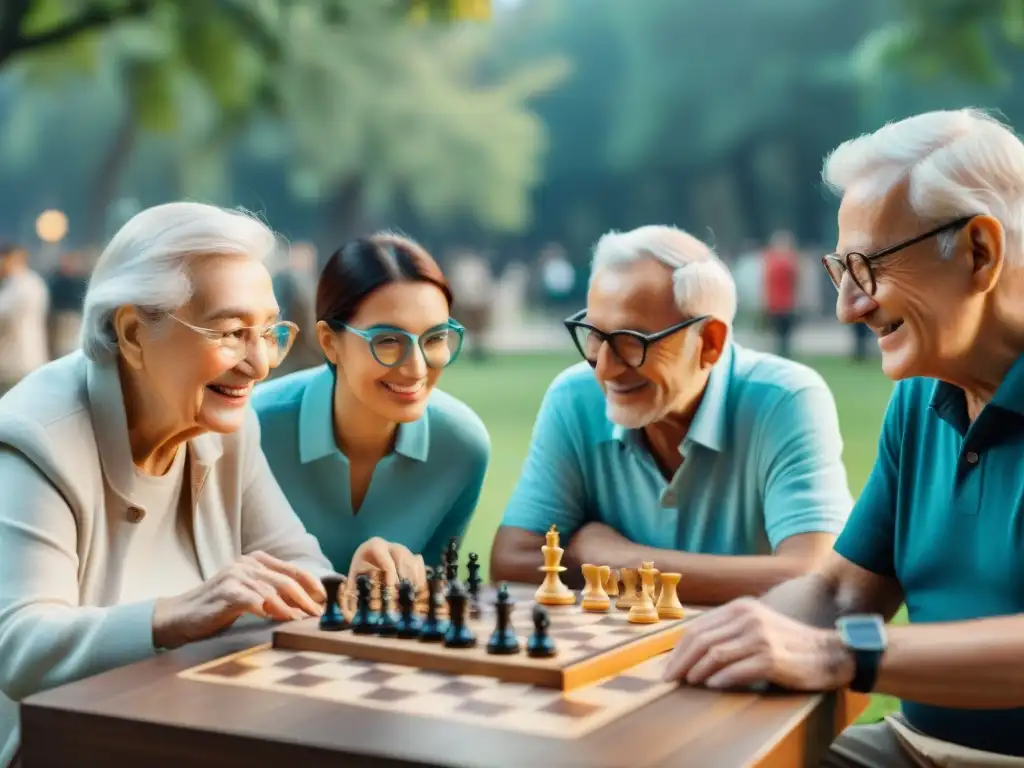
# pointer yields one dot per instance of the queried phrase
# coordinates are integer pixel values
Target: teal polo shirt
(943, 513)
(762, 461)
(421, 495)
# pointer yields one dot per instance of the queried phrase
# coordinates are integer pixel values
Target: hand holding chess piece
(553, 591)
(393, 560)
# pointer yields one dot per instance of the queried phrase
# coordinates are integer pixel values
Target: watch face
(863, 633)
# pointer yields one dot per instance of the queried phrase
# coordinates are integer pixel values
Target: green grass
(506, 391)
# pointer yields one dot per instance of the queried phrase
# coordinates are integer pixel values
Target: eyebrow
(236, 313)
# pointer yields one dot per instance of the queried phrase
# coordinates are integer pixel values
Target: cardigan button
(136, 514)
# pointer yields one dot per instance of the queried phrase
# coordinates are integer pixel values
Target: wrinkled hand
(256, 584)
(395, 560)
(745, 642)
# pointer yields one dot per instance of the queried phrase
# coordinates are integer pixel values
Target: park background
(506, 136)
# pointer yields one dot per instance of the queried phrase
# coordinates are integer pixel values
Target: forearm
(970, 664)
(44, 647)
(517, 564)
(808, 598)
(708, 580)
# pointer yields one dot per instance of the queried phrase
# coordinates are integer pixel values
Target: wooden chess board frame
(569, 669)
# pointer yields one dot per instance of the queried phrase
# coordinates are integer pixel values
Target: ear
(987, 240)
(128, 328)
(713, 336)
(327, 338)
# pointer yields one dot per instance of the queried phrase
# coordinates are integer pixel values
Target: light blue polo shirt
(421, 495)
(762, 461)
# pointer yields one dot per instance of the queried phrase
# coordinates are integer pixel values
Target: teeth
(404, 390)
(231, 391)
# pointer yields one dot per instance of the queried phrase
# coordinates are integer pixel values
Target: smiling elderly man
(672, 443)
(931, 258)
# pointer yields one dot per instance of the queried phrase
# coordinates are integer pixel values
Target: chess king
(671, 442)
(381, 466)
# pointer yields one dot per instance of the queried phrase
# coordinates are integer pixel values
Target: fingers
(312, 585)
(284, 585)
(421, 573)
(722, 654)
(750, 670)
(271, 604)
(688, 656)
(239, 597)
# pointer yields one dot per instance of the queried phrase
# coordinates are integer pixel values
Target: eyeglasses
(391, 346)
(858, 265)
(277, 339)
(629, 346)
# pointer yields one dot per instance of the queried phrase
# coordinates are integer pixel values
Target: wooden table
(144, 714)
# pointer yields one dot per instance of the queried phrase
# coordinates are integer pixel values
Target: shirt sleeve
(47, 638)
(806, 489)
(455, 523)
(269, 524)
(869, 537)
(550, 490)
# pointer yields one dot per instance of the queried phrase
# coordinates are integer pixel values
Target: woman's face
(397, 393)
(199, 366)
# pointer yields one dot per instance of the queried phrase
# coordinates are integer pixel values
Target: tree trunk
(108, 177)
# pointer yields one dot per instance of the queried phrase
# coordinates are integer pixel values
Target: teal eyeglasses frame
(369, 334)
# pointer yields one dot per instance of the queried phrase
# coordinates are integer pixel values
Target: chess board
(589, 646)
(479, 700)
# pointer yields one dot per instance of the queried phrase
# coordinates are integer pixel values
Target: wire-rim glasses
(629, 346)
(277, 339)
(391, 346)
(858, 265)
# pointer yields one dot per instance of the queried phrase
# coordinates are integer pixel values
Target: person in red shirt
(781, 280)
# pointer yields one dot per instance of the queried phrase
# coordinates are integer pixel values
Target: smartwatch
(864, 637)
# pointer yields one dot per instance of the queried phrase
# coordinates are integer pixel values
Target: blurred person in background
(138, 511)
(473, 286)
(24, 308)
(295, 289)
(930, 257)
(383, 468)
(68, 284)
(781, 284)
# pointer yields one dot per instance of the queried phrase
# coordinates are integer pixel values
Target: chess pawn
(643, 610)
(627, 599)
(595, 599)
(553, 591)
(668, 605)
(611, 583)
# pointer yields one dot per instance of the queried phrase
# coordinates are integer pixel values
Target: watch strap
(865, 670)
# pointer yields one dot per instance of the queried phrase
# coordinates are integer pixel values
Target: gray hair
(145, 264)
(955, 163)
(701, 283)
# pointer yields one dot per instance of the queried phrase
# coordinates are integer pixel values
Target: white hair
(701, 283)
(145, 264)
(955, 163)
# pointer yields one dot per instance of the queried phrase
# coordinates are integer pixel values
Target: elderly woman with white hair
(931, 259)
(138, 511)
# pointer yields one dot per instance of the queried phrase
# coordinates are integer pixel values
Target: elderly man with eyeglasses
(931, 258)
(672, 443)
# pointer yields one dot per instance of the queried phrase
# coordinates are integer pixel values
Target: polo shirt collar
(710, 422)
(948, 400)
(316, 424)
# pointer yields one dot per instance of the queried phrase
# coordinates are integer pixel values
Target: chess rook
(668, 605)
(594, 599)
(553, 591)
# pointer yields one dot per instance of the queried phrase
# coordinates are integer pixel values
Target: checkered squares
(485, 701)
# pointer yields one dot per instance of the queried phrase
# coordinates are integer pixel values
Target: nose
(258, 358)
(608, 364)
(415, 365)
(853, 304)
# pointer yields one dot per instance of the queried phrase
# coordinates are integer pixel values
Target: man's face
(925, 310)
(638, 296)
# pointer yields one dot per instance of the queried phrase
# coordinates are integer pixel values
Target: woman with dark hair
(380, 466)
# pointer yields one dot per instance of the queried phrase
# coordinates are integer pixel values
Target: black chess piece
(451, 560)
(332, 619)
(432, 630)
(386, 626)
(503, 640)
(473, 566)
(408, 625)
(458, 635)
(363, 622)
(540, 645)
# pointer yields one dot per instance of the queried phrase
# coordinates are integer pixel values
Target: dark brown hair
(366, 264)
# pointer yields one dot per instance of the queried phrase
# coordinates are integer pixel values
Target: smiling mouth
(229, 392)
(885, 330)
(404, 389)
(627, 389)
